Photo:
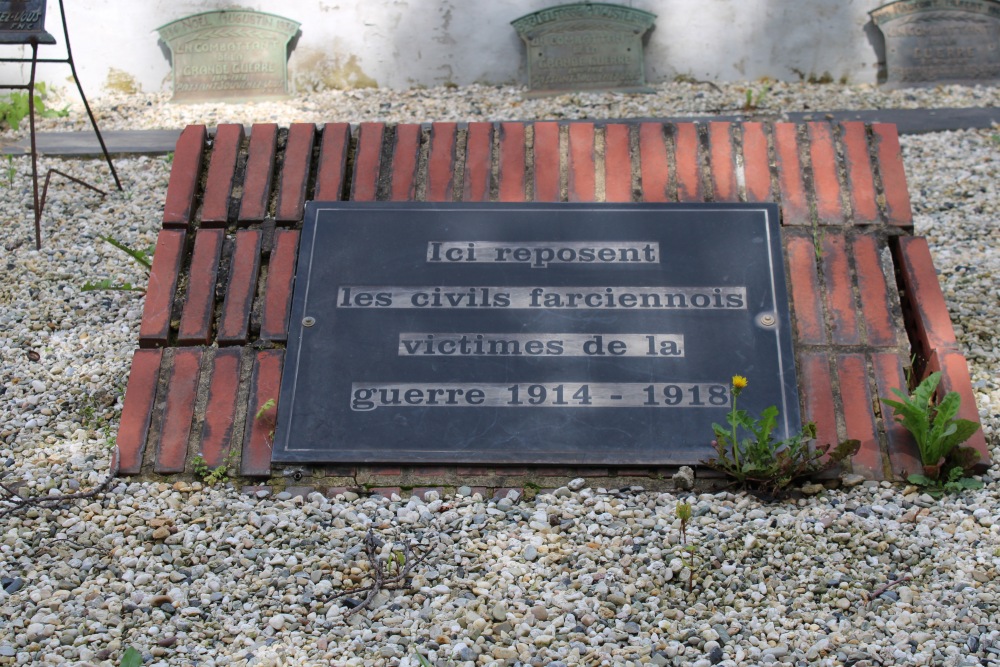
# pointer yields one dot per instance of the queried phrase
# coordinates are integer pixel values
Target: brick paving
(864, 294)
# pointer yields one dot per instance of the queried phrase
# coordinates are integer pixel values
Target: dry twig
(882, 589)
(381, 580)
(16, 502)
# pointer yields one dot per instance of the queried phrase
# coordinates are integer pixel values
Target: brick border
(223, 271)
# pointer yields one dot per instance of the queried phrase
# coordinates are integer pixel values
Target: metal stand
(33, 40)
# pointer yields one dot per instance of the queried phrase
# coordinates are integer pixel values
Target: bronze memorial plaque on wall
(940, 41)
(229, 55)
(531, 333)
(23, 22)
(585, 46)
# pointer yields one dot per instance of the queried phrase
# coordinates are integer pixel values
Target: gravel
(871, 574)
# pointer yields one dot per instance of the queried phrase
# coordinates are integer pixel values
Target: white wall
(399, 43)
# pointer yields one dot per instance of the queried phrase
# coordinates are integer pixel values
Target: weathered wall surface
(401, 43)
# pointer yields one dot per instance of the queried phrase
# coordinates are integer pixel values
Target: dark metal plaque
(23, 22)
(585, 46)
(940, 41)
(531, 333)
(229, 55)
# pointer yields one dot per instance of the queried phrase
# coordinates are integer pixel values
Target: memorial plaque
(940, 41)
(585, 46)
(23, 22)
(229, 55)
(531, 333)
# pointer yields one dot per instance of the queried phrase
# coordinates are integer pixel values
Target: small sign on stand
(23, 22)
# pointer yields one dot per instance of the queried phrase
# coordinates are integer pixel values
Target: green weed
(142, 257)
(131, 658)
(755, 98)
(14, 108)
(759, 462)
(216, 475)
(939, 435)
(10, 172)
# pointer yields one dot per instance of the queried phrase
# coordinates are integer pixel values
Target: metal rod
(45, 188)
(34, 152)
(25, 60)
(79, 86)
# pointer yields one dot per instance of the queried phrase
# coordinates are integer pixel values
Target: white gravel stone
(251, 580)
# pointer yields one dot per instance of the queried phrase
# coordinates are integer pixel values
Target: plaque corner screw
(308, 321)
(767, 320)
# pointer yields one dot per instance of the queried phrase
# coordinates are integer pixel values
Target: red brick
(265, 383)
(547, 162)
(259, 172)
(155, 328)
(826, 183)
(617, 164)
(332, 162)
(904, 459)
(817, 388)
(805, 289)
(295, 173)
(859, 415)
(423, 472)
(510, 471)
(756, 164)
(723, 168)
(581, 177)
(861, 185)
(338, 471)
(875, 304)
(278, 291)
(655, 172)
(387, 471)
(890, 166)
(220, 410)
(794, 206)
(689, 188)
(441, 163)
(182, 391)
(839, 290)
(473, 471)
(386, 491)
(405, 151)
(221, 174)
(478, 162)
(243, 269)
(512, 167)
(133, 429)
(178, 209)
(199, 307)
(924, 296)
(955, 377)
(367, 162)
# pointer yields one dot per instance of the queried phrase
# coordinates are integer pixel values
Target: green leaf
(131, 658)
(920, 480)
(138, 255)
(424, 662)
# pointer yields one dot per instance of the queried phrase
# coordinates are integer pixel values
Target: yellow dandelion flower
(739, 382)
